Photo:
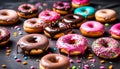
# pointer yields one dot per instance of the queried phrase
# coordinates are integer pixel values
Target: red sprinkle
(18, 60)
(32, 67)
(102, 67)
(78, 61)
(71, 60)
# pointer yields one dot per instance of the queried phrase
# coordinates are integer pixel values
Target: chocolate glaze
(65, 6)
(33, 41)
(55, 61)
(4, 34)
(27, 9)
(73, 19)
(57, 27)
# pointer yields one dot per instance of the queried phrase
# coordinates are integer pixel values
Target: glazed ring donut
(49, 16)
(79, 3)
(33, 44)
(92, 29)
(27, 11)
(72, 44)
(34, 25)
(8, 17)
(62, 7)
(115, 31)
(105, 15)
(54, 61)
(4, 36)
(57, 29)
(106, 47)
(74, 19)
(86, 11)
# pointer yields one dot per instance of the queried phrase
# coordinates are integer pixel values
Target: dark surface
(12, 64)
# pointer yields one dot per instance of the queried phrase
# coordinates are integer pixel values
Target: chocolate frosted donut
(57, 29)
(54, 61)
(74, 19)
(27, 11)
(33, 44)
(8, 17)
(4, 36)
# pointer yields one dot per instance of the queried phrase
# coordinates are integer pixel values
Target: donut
(107, 48)
(79, 3)
(92, 29)
(4, 36)
(27, 11)
(86, 11)
(57, 29)
(62, 8)
(74, 19)
(115, 31)
(72, 44)
(33, 44)
(8, 17)
(33, 25)
(54, 61)
(49, 16)
(105, 15)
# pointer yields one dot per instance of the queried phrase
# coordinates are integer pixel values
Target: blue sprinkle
(18, 29)
(20, 33)
(54, 49)
(15, 57)
(25, 57)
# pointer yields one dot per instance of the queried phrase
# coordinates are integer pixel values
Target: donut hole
(32, 40)
(33, 22)
(72, 17)
(90, 26)
(71, 41)
(47, 14)
(104, 12)
(104, 43)
(53, 59)
(26, 7)
(60, 4)
(4, 14)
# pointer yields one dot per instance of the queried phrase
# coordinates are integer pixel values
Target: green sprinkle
(106, 24)
(74, 67)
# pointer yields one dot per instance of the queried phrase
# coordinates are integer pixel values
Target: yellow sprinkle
(15, 34)
(111, 67)
(7, 54)
(102, 61)
(8, 51)
(90, 55)
(24, 63)
(3, 66)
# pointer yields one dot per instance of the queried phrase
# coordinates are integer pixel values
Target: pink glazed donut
(49, 16)
(72, 44)
(115, 31)
(92, 29)
(78, 3)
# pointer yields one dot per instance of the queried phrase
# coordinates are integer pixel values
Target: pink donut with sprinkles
(49, 16)
(106, 47)
(72, 44)
(115, 31)
(78, 3)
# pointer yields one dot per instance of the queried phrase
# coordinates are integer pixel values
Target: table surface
(12, 64)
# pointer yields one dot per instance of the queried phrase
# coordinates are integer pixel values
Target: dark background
(12, 64)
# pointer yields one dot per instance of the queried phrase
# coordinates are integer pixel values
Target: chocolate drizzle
(73, 19)
(57, 27)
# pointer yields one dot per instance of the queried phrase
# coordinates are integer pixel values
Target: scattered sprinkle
(18, 60)
(20, 32)
(55, 49)
(37, 60)
(110, 62)
(78, 61)
(7, 54)
(37, 5)
(15, 57)
(32, 67)
(102, 61)
(9, 51)
(111, 67)
(25, 57)
(93, 60)
(24, 63)
(18, 29)
(74, 67)
(102, 67)
(90, 57)
(4, 66)
(15, 34)
(86, 66)
(106, 24)
(7, 47)
(71, 61)
(45, 4)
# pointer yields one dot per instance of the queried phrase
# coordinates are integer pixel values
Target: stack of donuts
(59, 23)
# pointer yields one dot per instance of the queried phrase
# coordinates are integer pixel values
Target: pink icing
(115, 29)
(92, 26)
(80, 1)
(48, 15)
(79, 45)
